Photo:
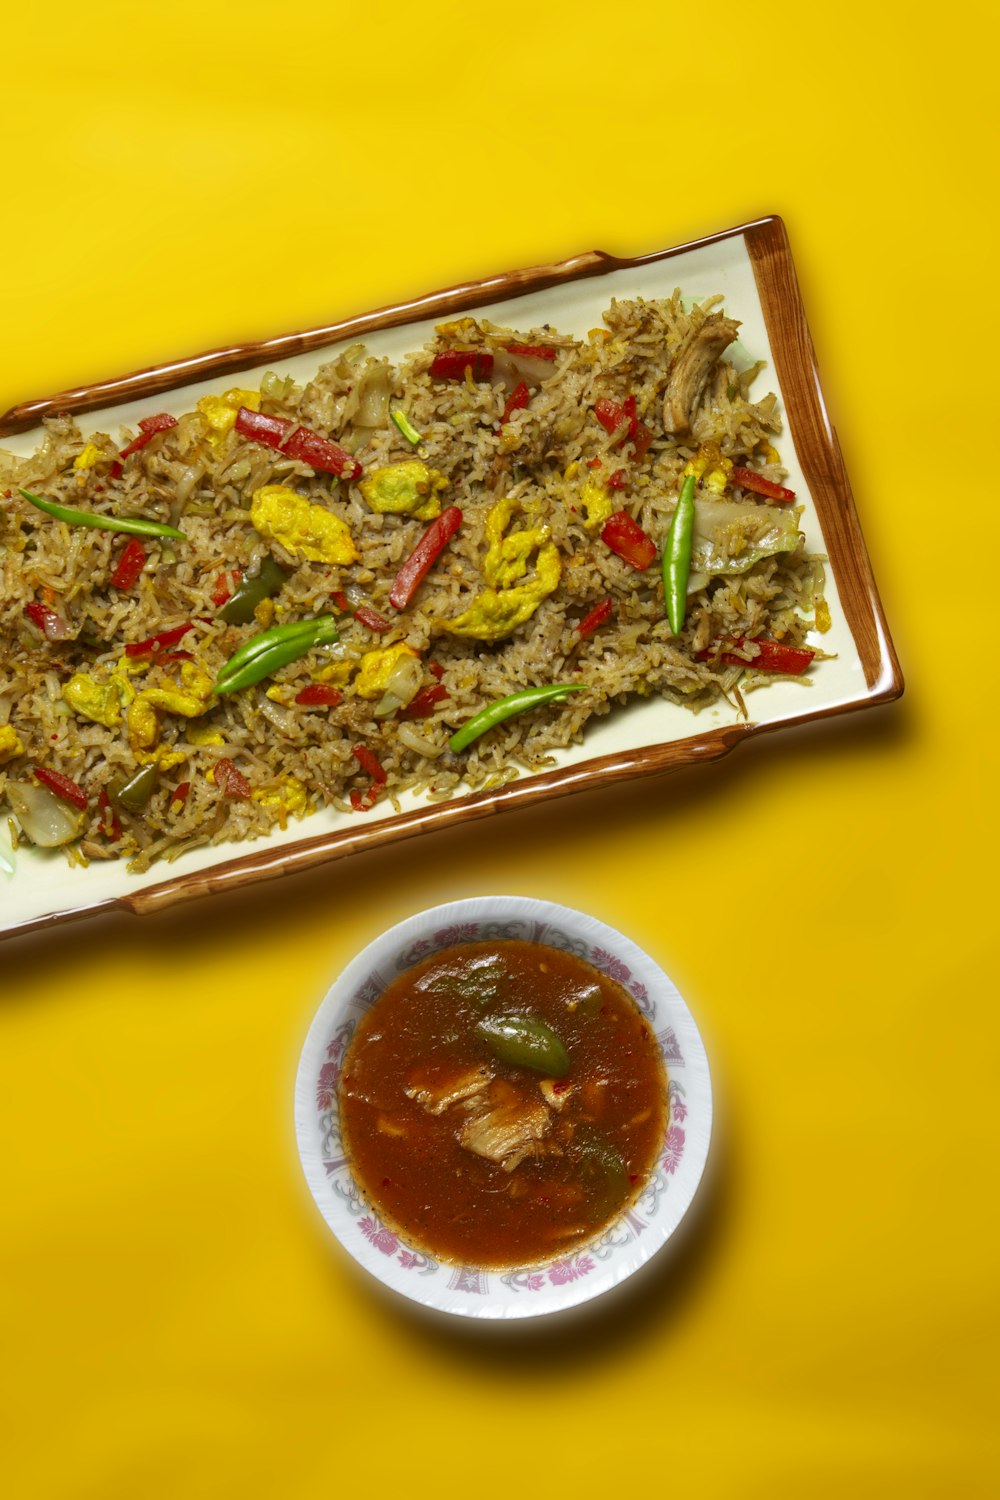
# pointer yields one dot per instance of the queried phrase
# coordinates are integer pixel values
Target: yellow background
(176, 1322)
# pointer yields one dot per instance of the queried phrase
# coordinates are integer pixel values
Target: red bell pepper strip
(362, 801)
(221, 591)
(612, 417)
(180, 794)
(62, 786)
(52, 626)
(161, 642)
(618, 480)
(772, 656)
(518, 398)
(110, 821)
(230, 782)
(533, 351)
(424, 555)
(368, 762)
(627, 538)
(148, 428)
(130, 565)
(420, 706)
(453, 363)
(319, 695)
(435, 669)
(599, 615)
(749, 479)
(297, 442)
(372, 619)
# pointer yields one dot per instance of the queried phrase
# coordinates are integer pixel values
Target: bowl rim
(592, 1268)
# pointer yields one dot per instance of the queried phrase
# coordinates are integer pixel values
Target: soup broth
(502, 1102)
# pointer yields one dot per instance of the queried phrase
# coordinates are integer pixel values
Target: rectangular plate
(752, 267)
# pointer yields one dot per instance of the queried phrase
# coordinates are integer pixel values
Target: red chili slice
(599, 615)
(771, 656)
(368, 762)
(362, 801)
(298, 442)
(130, 565)
(453, 363)
(613, 416)
(148, 428)
(319, 695)
(230, 782)
(618, 480)
(749, 479)
(532, 351)
(180, 793)
(518, 398)
(161, 642)
(62, 787)
(627, 538)
(424, 555)
(371, 618)
(221, 590)
(52, 626)
(423, 704)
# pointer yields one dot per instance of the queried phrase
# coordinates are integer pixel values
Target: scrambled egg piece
(596, 502)
(311, 531)
(90, 456)
(408, 489)
(505, 603)
(377, 667)
(101, 702)
(203, 734)
(711, 468)
(11, 743)
(190, 699)
(288, 795)
(219, 412)
(338, 672)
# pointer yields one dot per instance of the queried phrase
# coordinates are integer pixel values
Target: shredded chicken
(439, 1096)
(508, 1126)
(692, 368)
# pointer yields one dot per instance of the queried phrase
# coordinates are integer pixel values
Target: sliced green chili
(506, 708)
(604, 1169)
(525, 1043)
(239, 610)
(137, 791)
(677, 557)
(131, 524)
(265, 652)
(405, 426)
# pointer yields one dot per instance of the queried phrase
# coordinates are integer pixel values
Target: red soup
(502, 1102)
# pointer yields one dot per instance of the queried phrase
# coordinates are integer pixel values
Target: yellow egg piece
(90, 456)
(289, 796)
(377, 667)
(11, 743)
(405, 489)
(220, 412)
(507, 603)
(311, 531)
(101, 702)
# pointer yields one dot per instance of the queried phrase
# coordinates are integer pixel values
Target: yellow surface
(176, 1321)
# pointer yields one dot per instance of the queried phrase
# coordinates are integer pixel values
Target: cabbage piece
(730, 536)
(44, 818)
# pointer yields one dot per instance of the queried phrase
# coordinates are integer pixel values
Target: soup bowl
(568, 1278)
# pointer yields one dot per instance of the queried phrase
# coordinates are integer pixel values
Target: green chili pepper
(525, 1043)
(506, 708)
(252, 591)
(270, 649)
(137, 791)
(405, 426)
(604, 1169)
(132, 524)
(677, 557)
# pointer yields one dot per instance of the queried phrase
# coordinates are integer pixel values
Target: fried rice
(528, 453)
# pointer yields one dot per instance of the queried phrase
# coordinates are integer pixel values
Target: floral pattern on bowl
(562, 1282)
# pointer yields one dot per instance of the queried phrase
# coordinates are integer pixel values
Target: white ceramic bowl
(567, 1280)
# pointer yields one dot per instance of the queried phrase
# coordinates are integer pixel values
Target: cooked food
(502, 1103)
(424, 578)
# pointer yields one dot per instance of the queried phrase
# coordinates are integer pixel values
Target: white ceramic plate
(564, 1281)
